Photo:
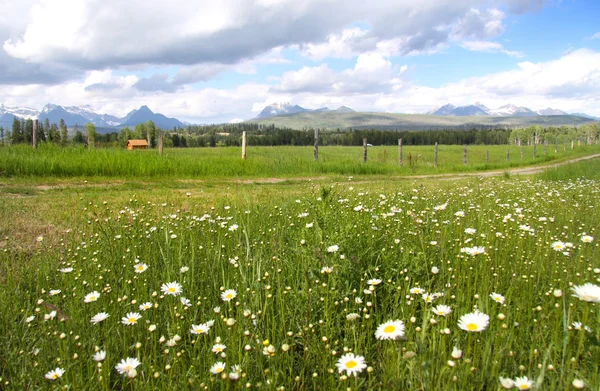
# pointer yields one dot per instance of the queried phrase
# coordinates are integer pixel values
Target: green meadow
(266, 162)
(134, 271)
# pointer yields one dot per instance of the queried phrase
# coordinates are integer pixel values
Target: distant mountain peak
(283, 108)
(280, 109)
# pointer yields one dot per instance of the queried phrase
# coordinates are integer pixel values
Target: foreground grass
(282, 162)
(274, 245)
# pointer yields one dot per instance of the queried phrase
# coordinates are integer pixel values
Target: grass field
(264, 162)
(317, 268)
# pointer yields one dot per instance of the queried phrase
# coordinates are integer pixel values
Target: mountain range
(286, 108)
(509, 110)
(80, 115)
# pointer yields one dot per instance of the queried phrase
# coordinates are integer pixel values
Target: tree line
(270, 135)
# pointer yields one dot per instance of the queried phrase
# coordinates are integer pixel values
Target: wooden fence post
(316, 151)
(435, 156)
(534, 150)
(400, 152)
(545, 147)
(244, 145)
(487, 156)
(507, 155)
(465, 154)
(34, 134)
(572, 144)
(556, 145)
(364, 150)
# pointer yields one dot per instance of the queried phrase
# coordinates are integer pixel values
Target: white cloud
(373, 84)
(477, 24)
(596, 36)
(489, 47)
(90, 34)
(371, 73)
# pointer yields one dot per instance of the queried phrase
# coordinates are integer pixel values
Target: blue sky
(210, 62)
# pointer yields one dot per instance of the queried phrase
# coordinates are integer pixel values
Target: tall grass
(52, 161)
(300, 268)
(589, 169)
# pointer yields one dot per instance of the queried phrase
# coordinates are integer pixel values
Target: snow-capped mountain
(508, 110)
(511, 110)
(22, 112)
(550, 111)
(80, 115)
(77, 115)
(446, 109)
(275, 109)
(280, 109)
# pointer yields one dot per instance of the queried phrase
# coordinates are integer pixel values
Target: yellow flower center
(54, 375)
(140, 268)
(389, 329)
(351, 364)
(219, 370)
(171, 289)
(524, 387)
(131, 320)
(471, 327)
(229, 296)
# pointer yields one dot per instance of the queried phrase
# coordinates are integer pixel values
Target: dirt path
(446, 177)
(515, 171)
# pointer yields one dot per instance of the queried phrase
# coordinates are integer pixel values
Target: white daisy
(498, 298)
(228, 295)
(217, 368)
(127, 366)
(54, 374)
(99, 356)
(203, 328)
(171, 288)
(333, 249)
(185, 302)
(145, 306)
(392, 329)
(131, 318)
(99, 317)
(374, 281)
(587, 239)
(218, 348)
(558, 246)
(93, 296)
(587, 292)
(140, 267)
(351, 364)
(506, 382)
(474, 322)
(441, 310)
(523, 383)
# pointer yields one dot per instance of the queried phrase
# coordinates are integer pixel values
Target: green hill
(357, 120)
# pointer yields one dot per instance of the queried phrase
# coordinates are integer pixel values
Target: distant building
(137, 144)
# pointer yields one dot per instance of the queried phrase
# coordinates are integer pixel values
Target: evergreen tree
(16, 131)
(2, 134)
(64, 133)
(53, 135)
(28, 131)
(78, 137)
